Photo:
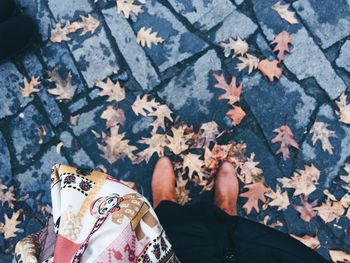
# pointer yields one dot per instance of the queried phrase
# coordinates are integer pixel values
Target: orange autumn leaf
(255, 193)
(282, 40)
(232, 92)
(270, 69)
(236, 114)
(285, 137)
(30, 86)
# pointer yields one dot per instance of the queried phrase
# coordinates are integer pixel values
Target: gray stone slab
(65, 10)
(11, 81)
(235, 25)
(178, 44)
(37, 177)
(203, 14)
(25, 135)
(190, 93)
(94, 56)
(78, 105)
(328, 164)
(5, 161)
(87, 121)
(344, 57)
(328, 20)
(135, 56)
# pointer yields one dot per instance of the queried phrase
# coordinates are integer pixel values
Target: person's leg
(163, 182)
(226, 189)
(7, 9)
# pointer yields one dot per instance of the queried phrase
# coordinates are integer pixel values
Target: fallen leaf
(330, 211)
(178, 142)
(9, 228)
(339, 256)
(30, 87)
(144, 106)
(156, 144)
(306, 210)
(249, 171)
(232, 92)
(59, 33)
(279, 198)
(311, 242)
(161, 112)
(346, 178)
(88, 24)
(128, 6)
(64, 89)
(320, 132)
(270, 69)
(238, 46)
(113, 116)
(282, 40)
(255, 193)
(7, 195)
(182, 194)
(236, 115)
(285, 136)
(344, 109)
(286, 14)
(114, 91)
(145, 37)
(193, 163)
(250, 61)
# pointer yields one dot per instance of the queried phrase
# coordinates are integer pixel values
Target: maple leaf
(143, 106)
(238, 46)
(320, 132)
(285, 136)
(64, 89)
(146, 38)
(270, 69)
(9, 228)
(178, 142)
(232, 92)
(128, 6)
(250, 61)
(339, 256)
(306, 209)
(311, 242)
(193, 163)
(279, 198)
(286, 14)
(330, 211)
(249, 171)
(114, 91)
(113, 116)
(156, 145)
(344, 109)
(31, 86)
(236, 115)
(255, 193)
(161, 112)
(282, 40)
(303, 181)
(59, 33)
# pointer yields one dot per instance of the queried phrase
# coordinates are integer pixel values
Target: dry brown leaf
(7, 195)
(178, 142)
(339, 256)
(330, 211)
(114, 91)
(9, 228)
(59, 33)
(249, 171)
(286, 14)
(303, 181)
(238, 47)
(236, 115)
(285, 137)
(250, 61)
(232, 92)
(156, 144)
(128, 6)
(306, 210)
(270, 69)
(182, 194)
(161, 112)
(113, 116)
(193, 163)
(30, 87)
(346, 178)
(145, 37)
(255, 193)
(320, 132)
(311, 242)
(282, 40)
(144, 106)
(64, 89)
(279, 198)
(207, 133)
(344, 109)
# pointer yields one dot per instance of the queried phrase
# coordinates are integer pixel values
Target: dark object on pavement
(7, 9)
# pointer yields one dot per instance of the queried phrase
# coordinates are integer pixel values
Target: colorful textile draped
(97, 219)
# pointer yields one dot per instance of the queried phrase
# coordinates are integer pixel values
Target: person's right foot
(16, 34)
(7, 9)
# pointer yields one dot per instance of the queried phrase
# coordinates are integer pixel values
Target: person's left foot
(7, 9)
(16, 34)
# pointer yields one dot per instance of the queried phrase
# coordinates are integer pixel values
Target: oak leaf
(285, 137)
(330, 211)
(346, 178)
(161, 112)
(255, 193)
(207, 133)
(193, 163)
(178, 142)
(282, 40)
(88, 24)
(250, 61)
(344, 109)
(306, 210)
(339, 256)
(236, 115)
(320, 132)
(279, 198)
(60, 33)
(113, 116)
(114, 91)
(249, 171)
(311, 242)
(232, 92)
(128, 6)
(156, 144)
(9, 228)
(238, 46)
(30, 87)
(145, 37)
(270, 69)
(286, 14)
(182, 194)
(144, 106)
(7, 195)
(64, 89)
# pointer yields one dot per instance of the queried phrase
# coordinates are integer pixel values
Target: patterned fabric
(97, 219)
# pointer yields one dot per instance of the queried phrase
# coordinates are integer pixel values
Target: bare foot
(226, 189)
(163, 182)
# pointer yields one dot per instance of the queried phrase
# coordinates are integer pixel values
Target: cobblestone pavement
(178, 73)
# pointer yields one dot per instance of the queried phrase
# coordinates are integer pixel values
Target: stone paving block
(79, 104)
(94, 56)
(133, 53)
(327, 19)
(37, 177)
(285, 102)
(306, 58)
(25, 133)
(190, 94)
(344, 57)
(235, 25)
(328, 164)
(178, 44)
(11, 81)
(5, 161)
(203, 14)
(65, 10)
